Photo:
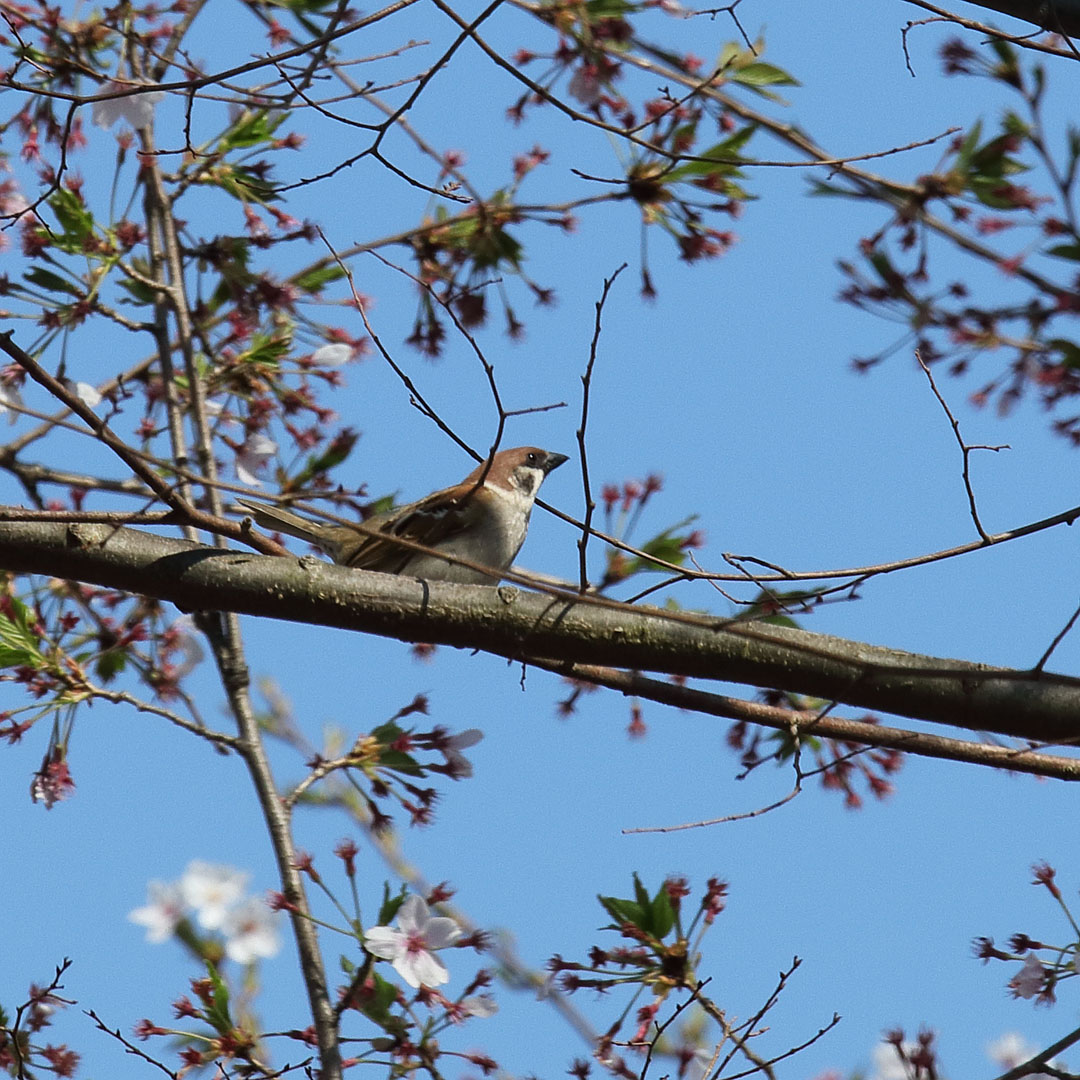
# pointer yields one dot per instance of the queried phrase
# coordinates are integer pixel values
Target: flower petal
(441, 932)
(334, 355)
(385, 942)
(413, 915)
(421, 967)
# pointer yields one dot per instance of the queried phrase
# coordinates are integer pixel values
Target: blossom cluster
(213, 897)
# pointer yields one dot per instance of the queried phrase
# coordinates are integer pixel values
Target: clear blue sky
(735, 385)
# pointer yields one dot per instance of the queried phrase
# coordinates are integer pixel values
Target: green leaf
(1073, 137)
(762, 74)
(46, 279)
(988, 190)
(241, 183)
(641, 894)
(266, 351)
(1065, 251)
(734, 55)
(1005, 52)
(888, 273)
(666, 546)
(820, 187)
(390, 904)
(663, 913)
(75, 220)
(314, 281)
(382, 504)
(217, 1012)
(250, 129)
(622, 911)
(652, 915)
(495, 246)
(140, 292)
(400, 762)
(383, 994)
(967, 147)
(387, 733)
(334, 455)
(768, 606)
(726, 154)
(486, 244)
(109, 664)
(18, 641)
(1014, 124)
(233, 264)
(992, 159)
(1069, 350)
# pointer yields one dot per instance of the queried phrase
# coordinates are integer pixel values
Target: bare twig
(1058, 638)
(130, 1047)
(965, 448)
(586, 386)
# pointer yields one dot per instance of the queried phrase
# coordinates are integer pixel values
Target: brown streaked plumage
(483, 522)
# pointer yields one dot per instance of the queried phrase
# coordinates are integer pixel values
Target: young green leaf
(217, 1012)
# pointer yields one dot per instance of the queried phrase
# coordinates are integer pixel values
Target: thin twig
(586, 386)
(1058, 638)
(129, 1047)
(965, 448)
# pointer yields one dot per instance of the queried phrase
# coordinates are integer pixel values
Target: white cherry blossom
(165, 908)
(250, 932)
(211, 890)
(410, 946)
(136, 110)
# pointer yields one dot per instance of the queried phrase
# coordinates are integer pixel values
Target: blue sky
(735, 385)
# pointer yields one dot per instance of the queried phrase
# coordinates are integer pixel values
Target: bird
(483, 519)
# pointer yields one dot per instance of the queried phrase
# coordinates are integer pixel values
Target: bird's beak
(553, 462)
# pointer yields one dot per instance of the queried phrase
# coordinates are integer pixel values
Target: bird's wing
(430, 521)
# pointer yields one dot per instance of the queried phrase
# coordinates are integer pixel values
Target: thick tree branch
(1057, 16)
(589, 630)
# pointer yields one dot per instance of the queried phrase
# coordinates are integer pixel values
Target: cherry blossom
(480, 1005)
(257, 450)
(250, 932)
(334, 355)
(460, 766)
(1029, 980)
(137, 109)
(410, 947)
(10, 402)
(212, 890)
(165, 908)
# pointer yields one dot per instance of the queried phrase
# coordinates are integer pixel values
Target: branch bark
(559, 627)
(1057, 16)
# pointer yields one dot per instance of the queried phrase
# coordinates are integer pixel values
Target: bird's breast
(493, 538)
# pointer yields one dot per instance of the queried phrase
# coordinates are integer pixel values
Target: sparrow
(483, 519)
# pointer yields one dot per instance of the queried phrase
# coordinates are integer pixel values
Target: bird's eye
(533, 459)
